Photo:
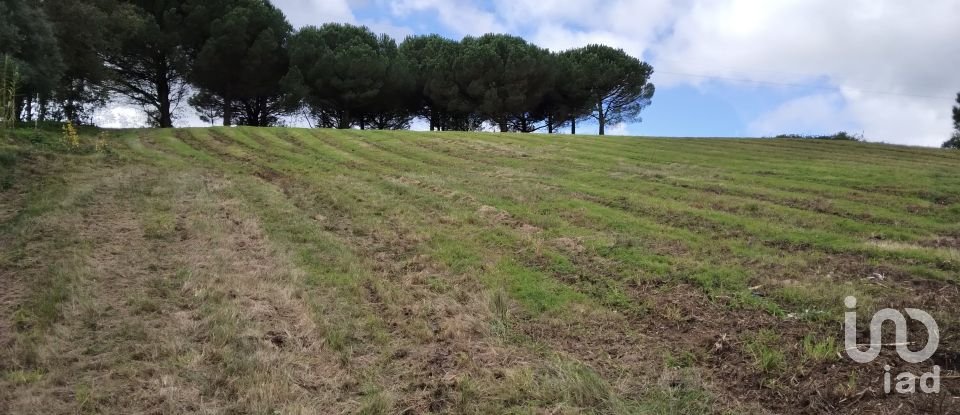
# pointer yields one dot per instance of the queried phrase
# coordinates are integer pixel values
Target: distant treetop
(841, 136)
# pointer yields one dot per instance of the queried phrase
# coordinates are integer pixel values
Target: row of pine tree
(240, 61)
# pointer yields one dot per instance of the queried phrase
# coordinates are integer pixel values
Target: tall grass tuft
(70, 137)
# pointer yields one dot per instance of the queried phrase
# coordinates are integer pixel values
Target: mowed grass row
(683, 224)
(539, 181)
(236, 329)
(784, 228)
(489, 273)
(395, 228)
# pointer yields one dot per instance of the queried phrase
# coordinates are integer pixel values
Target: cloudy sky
(887, 69)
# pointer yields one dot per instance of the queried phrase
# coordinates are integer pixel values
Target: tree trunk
(70, 111)
(433, 119)
(254, 111)
(363, 123)
(227, 112)
(603, 122)
(251, 113)
(503, 125)
(164, 118)
(573, 126)
(262, 108)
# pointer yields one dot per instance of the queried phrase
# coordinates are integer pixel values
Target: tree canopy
(437, 97)
(147, 59)
(618, 83)
(570, 99)
(27, 38)
(241, 62)
(79, 30)
(394, 106)
(954, 141)
(503, 78)
(339, 70)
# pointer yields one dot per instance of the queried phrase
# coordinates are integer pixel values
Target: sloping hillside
(315, 271)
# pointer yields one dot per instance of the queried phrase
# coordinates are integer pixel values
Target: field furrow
(317, 271)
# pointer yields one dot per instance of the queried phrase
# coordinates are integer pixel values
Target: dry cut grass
(310, 271)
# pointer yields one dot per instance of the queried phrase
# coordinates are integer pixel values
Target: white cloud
(813, 114)
(905, 121)
(385, 26)
(420, 125)
(889, 64)
(463, 17)
(557, 37)
(316, 12)
(887, 58)
(618, 129)
(118, 116)
(559, 24)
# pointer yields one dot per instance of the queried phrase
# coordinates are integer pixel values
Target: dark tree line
(241, 62)
(954, 141)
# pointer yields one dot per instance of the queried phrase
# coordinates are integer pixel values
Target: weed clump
(764, 349)
(820, 350)
(70, 137)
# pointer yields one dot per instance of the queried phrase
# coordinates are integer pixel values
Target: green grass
(559, 251)
(533, 288)
(765, 349)
(820, 350)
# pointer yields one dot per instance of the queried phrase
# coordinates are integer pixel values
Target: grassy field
(315, 271)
